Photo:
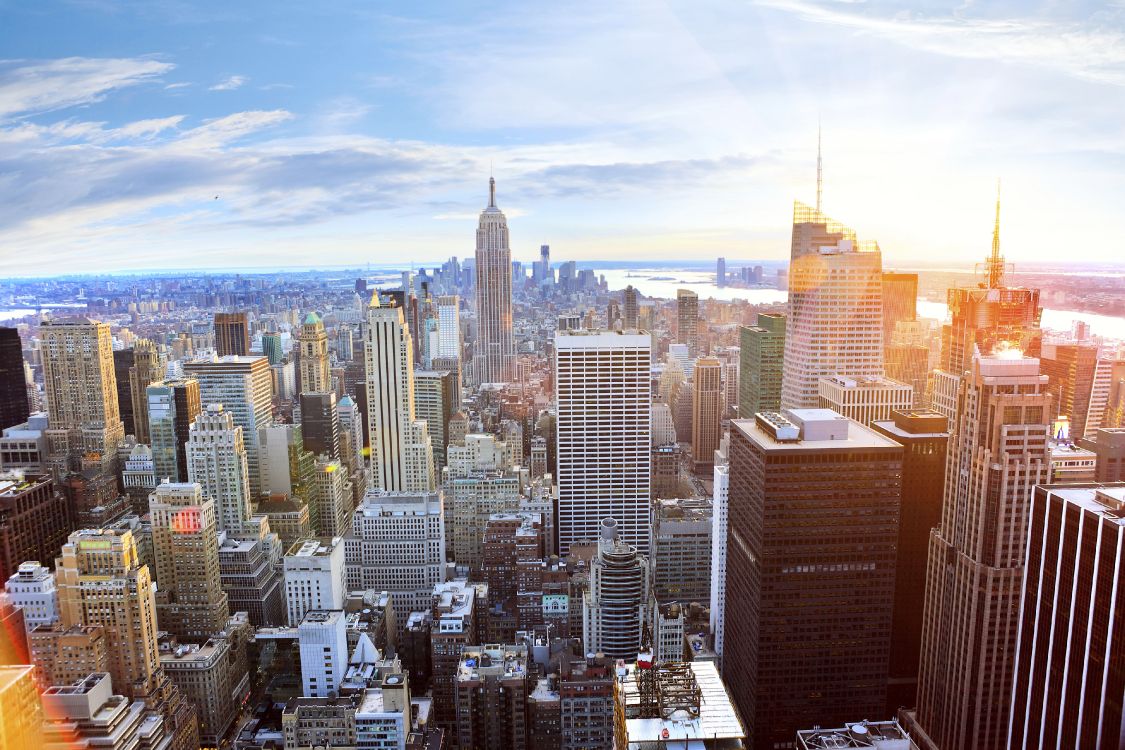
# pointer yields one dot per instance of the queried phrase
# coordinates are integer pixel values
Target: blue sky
(354, 132)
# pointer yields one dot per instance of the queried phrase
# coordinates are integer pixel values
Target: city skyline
(165, 129)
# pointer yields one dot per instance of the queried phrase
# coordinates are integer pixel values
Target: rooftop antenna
(819, 168)
(996, 261)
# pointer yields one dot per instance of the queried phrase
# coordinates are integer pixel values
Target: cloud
(1092, 49)
(36, 87)
(229, 84)
(223, 130)
(173, 86)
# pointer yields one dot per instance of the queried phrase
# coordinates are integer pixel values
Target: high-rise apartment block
(1068, 680)
(401, 449)
(34, 520)
(495, 349)
(687, 321)
(603, 448)
(998, 452)
(491, 697)
(102, 582)
(835, 322)
(232, 334)
(147, 368)
(173, 406)
(243, 385)
(191, 603)
(681, 550)
(216, 461)
(614, 610)
(760, 365)
(814, 509)
(314, 577)
(312, 343)
(708, 402)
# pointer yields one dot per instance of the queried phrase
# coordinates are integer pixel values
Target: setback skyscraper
(494, 349)
(401, 451)
(998, 452)
(313, 345)
(216, 460)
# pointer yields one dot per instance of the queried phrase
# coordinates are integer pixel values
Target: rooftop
(1106, 500)
(827, 429)
(718, 720)
(883, 735)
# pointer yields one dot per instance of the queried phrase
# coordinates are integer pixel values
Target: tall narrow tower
(216, 460)
(313, 341)
(981, 317)
(997, 454)
(494, 353)
(401, 452)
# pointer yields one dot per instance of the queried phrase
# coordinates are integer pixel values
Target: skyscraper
(123, 360)
(271, 347)
(81, 387)
(761, 347)
(494, 349)
(401, 451)
(835, 322)
(1070, 367)
(864, 400)
(603, 449)
(216, 460)
(900, 301)
(629, 309)
(313, 343)
(708, 401)
(614, 609)
(449, 326)
(437, 396)
(21, 715)
(687, 320)
(34, 521)
(102, 582)
(190, 599)
(1068, 677)
(173, 406)
(332, 495)
(814, 508)
(721, 272)
(147, 368)
(232, 334)
(982, 318)
(320, 423)
(997, 453)
(244, 387)
(924, 437)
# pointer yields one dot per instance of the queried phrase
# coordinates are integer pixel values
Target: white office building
(398, 545)
(323, 639)
(401, 451)
(866, 400)
(314, 577)
(720, 520)
(603, 446)
(32, 589)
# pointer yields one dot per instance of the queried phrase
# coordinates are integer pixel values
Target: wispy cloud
(1091, 48)
(230, 83)
(36, 87)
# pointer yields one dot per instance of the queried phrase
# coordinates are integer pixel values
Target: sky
(163, 134)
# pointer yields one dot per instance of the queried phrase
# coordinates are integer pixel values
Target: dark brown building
(34, 522)
(232, 334)
(814, 508)
(123, 362)
(491, 689)
(1070, 366)
(924, 437)
(1109, 445)
(13, 384)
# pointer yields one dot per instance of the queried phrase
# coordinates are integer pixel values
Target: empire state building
(494, 354)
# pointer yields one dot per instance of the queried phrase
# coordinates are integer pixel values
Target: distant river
(663, 283)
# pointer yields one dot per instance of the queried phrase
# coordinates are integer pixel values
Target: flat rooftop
(1106, 500)
(718, 720)
(858, 436)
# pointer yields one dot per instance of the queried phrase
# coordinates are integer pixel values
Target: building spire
(819, 168)
(996, 261)
(492, 192)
